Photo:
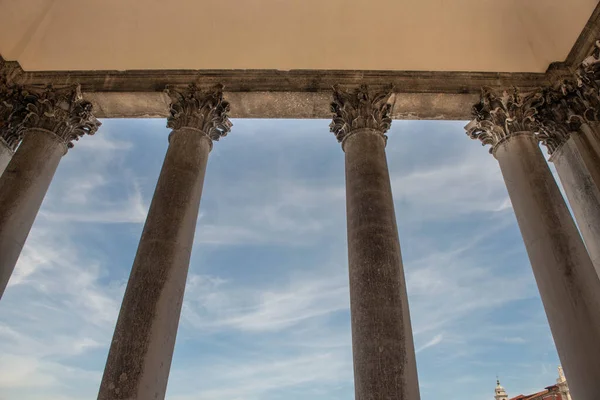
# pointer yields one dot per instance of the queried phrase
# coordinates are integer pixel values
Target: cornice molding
(585, 43)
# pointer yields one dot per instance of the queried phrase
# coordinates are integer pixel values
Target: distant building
(559, 391)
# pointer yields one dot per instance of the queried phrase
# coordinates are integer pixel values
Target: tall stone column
(142, 347)
(583, 194)
(578, 181)
(52, 120)
(565, 132)
(382, 340)
(568, 284)
(588, 143)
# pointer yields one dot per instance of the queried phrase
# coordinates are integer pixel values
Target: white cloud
(287, 334)
(86, 207)
(253, 379)
(276, 211)
(466, 186)
(437, 339)
(215, 304)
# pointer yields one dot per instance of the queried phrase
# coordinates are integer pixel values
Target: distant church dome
(500, 392)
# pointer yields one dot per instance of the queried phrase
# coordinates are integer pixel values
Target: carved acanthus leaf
(497, 116)
(360, 109)
(560, 114)
(59, 110)
(588, 84)
(204, 110)
(10, 98)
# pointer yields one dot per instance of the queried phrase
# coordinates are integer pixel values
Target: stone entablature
(446, 95)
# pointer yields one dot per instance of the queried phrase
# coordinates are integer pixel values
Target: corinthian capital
(58, 110)
(587, 79)
(202, 110)
(499, 116)
(10, 96)
(360, 109)
(561, 113)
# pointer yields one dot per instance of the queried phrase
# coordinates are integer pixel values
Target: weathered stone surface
(202, 110)
(582, 192)
(360, 109)
(48, 120)
(585, 41)
(10, 103)
(58, 110)
(285, 94)
(568, 283)
(563, 123)
(500, 115)
(23, 186)
(555, 116)
(142, 347)
(382, 342)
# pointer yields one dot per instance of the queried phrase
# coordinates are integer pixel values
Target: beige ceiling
(436, 35)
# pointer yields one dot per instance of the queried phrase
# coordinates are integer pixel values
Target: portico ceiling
(419, 35)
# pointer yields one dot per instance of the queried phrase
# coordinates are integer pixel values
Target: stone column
(566, 134)
(568, 284)
(382, 341)
(54, 119)
(579, 184)
(142, 347)
(588, 143)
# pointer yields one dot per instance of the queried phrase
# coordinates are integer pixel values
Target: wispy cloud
(252, 379)
(215, 304)
(266, 310)
(87, 208)
(437, 339)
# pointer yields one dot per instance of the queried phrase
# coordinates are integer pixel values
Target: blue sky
(266, 312)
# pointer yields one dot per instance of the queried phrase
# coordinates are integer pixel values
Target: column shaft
(142, 347)
(582, 192)
(591, 138)
(6, 154)
(568, 284)
(382, 342)
(23, 186)
(588, 146)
